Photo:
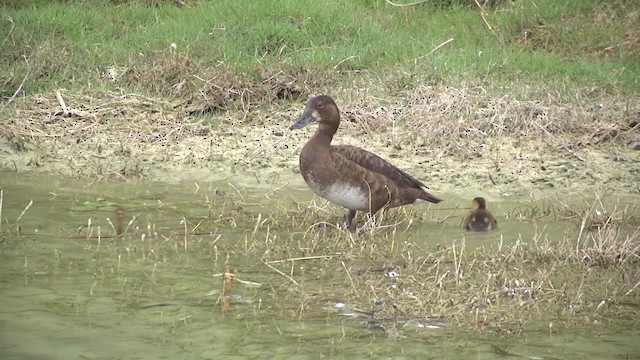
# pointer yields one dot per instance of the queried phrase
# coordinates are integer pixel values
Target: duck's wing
(480, 220)
(375, 163)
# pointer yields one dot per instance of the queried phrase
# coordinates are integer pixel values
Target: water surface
(71, 289)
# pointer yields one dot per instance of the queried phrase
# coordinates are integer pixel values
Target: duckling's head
(478, 204)
(321, 109)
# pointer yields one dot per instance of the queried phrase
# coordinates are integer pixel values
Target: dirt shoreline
(141, 138)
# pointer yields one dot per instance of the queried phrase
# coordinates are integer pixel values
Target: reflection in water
(73, 288)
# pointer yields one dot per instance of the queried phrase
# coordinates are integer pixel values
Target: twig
(112, 227)
(441, 45)
(491, 178)
(404, 5)
(283, 274)
(349, 275)
(300, 258)
(457, 261)
(572, 153)
(13, 25)
(24, 211)
(482, 11)
(448, 215)
(343, 60)
(19, 87)
(65, 110)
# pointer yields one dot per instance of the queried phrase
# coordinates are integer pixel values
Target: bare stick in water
(281, 273)
(24, 211)
(1, 197)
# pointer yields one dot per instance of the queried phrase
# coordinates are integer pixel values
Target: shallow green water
(67, 294)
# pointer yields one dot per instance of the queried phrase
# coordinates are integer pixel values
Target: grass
(545, 43)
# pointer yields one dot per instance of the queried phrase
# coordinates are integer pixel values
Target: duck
(349, 176)
(479, 219)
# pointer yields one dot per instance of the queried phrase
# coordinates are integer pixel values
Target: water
(71, 291)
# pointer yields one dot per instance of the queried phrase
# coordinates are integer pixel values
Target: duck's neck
(324, 135)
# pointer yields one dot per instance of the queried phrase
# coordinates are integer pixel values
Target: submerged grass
(387, 276)
(548, 282)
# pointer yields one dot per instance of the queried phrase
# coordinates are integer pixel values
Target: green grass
(71, 44)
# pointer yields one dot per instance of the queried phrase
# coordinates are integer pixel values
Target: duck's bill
(305, 119)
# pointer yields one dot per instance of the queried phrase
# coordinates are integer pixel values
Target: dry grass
(217, 89)
(130, 134)
(85, 128)
(384, 277)
(461, 121)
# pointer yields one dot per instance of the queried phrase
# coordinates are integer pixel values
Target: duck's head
(321, 109)
(478, 204)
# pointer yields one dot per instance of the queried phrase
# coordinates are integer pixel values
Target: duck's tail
(425, 196)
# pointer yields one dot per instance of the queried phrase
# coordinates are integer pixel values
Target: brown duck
(349, 176)
(479, 219)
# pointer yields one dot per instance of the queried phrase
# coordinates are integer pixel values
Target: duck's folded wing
(373, 162)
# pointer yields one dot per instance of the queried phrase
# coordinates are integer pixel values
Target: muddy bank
(498, 149)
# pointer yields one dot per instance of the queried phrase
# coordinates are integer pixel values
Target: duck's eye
(319, 105)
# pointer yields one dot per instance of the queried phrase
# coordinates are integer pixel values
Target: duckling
(479, 219)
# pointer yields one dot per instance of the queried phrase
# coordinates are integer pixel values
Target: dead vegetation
(386, 278)
(202, 89)
(391, 282)
(123, 135)
(461, 122)
(79, 129)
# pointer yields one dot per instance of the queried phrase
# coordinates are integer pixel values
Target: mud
(130, 137)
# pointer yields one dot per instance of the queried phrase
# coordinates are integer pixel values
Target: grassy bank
(497, 87)
(296, 48)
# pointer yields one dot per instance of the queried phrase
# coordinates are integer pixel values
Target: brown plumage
(480, 219)
(347, 175)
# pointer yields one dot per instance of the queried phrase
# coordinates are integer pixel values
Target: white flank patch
(348, 196)
(342, 194)
(418, 201)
